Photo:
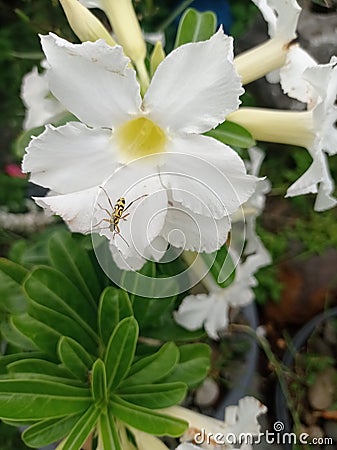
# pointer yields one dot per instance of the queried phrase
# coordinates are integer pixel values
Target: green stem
(178, 10)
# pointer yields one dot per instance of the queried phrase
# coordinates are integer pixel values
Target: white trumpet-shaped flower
(150, 151)
(281, 17)
(211, 310)
(314, 129)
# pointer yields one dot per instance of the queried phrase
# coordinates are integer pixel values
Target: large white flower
(314, 129)
(148, 151)
(211, 310)
(281, 17)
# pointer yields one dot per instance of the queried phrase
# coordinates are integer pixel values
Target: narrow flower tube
(281, 18)
(283, 127)
(84, 24)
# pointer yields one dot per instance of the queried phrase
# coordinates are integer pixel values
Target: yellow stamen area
(140, 137)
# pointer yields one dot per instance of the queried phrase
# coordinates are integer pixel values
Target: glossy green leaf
(193, 366)
(44, 337)
(147, 420)
(114, 306)
(74, 357)
(51, 288)
(63, 324)
(49, 431)
(14, 336)
(232, 134)
(8, 359)
(34, 365)
(120, 351)
(173, 332)
(80, 432)
(154, 367)
(152, 311)
(98, 382)
(68, 256)
(27, 399)
(108, 433)
(195, 26)
(221, 266)
(154, 396)
(12, 296)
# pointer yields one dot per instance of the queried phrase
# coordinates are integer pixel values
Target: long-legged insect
(116, 214)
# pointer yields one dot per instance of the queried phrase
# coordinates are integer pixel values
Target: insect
(116, 214)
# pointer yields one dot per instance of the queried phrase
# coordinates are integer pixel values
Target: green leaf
(62, 324)
(51, 288)
(221, 266)
(80, 432)
(157, 56)
(152, 311)
(154, 396)
(195, 26)
(232, 134)
(49, 431)
(120, 351)
(98, 383)
(154, 367)
(8, 359)
(74, 357)
(108, 433)
(173, 332)
(193, 366)
(44, 337)
(11, 292)
(68, 256)
(147, 420)
(34, 365)
(114, 306)
(14, 336)
(27, 399)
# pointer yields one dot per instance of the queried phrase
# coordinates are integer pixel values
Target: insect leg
(98, 223)
(107, 196)
(133, 201)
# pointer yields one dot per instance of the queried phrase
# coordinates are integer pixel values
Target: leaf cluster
(75, 366)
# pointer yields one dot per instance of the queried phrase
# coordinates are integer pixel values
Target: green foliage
(232, 134)
(195, 26)
(79, 366)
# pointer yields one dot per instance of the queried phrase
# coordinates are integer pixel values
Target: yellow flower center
(140, 137)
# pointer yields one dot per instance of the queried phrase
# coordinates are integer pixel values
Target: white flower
(211, 310)
(41, 106)
(313, 129)
(281, 17)
(176, 173)
(221, 434)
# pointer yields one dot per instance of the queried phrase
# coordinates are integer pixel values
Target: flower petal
(70, 158)
(291, 75)
(211, 171)
(92, 80)
(195, 87)
(194, 232)
(143, 214)
(75, 209)
(243, 418)
(35, 94)
(281, 17)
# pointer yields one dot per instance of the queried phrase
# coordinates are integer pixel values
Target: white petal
(75, 209)
(41, 106)
(92, 3)
(281, 17)
(243, 418)
(317, 174)
(144, 212)
(194, 232)
(194, 310)
(187, 446)
(291, 75)
(211, 171)
(70, 158)
(195, 87)
(92, 80)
